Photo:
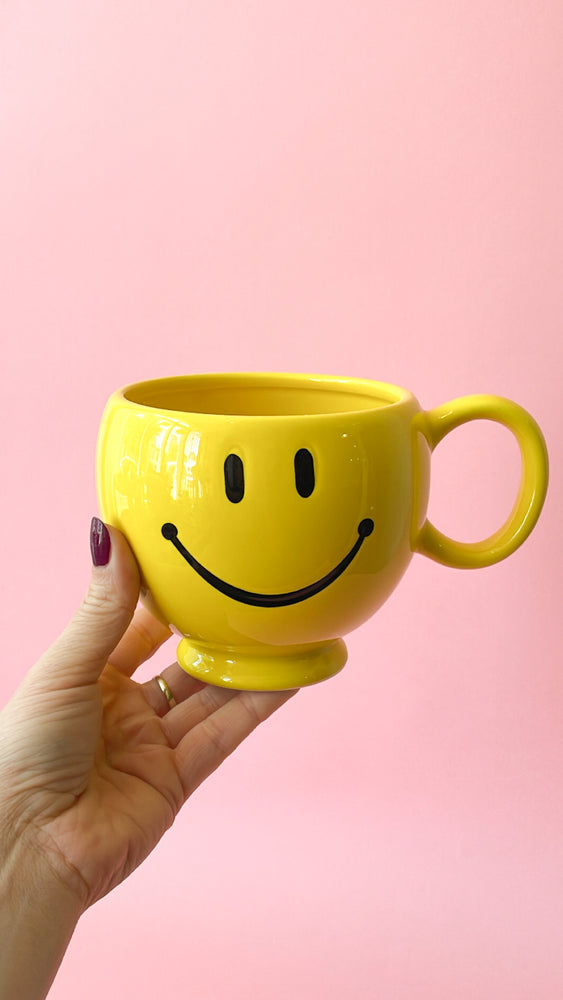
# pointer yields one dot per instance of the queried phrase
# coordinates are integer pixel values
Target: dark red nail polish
(100, 544)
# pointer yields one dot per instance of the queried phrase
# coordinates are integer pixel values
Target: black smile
(365, 528)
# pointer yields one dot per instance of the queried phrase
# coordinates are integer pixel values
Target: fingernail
(100, 544)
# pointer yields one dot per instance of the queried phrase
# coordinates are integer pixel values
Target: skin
(94, 768)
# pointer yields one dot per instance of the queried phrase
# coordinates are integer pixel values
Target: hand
(94, 766)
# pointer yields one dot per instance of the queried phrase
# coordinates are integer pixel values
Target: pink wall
(352, 187)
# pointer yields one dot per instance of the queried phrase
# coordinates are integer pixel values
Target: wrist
(38, 914)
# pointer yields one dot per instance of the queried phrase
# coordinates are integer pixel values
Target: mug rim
(159, 394)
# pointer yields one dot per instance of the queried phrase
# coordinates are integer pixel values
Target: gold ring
(166, 691)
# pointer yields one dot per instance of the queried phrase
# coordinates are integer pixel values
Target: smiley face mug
(270, 514)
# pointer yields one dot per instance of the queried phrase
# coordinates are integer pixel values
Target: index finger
(143, 637)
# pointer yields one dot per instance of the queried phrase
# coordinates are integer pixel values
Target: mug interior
(263, 395)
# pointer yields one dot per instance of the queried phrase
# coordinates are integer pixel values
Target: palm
(121, 794)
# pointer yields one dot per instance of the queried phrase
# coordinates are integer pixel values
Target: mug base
(262, 668)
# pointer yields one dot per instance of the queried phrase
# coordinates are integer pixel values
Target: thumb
(81, 652)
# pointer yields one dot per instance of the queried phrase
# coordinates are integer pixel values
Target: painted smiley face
(234, 489)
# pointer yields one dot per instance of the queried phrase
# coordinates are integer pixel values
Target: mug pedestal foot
(262, 668)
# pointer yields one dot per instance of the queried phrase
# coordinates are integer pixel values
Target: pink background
(359, 188)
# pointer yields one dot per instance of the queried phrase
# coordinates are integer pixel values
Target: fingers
(142, 639)
(182, 686)
(190, 712)
(204, 748)
(80, 653)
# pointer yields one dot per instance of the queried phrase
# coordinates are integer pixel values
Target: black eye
(304, 472)
(234, 478)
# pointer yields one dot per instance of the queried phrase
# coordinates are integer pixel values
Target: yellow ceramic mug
(272, 514)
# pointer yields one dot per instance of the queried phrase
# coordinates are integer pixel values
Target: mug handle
(434, 425)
